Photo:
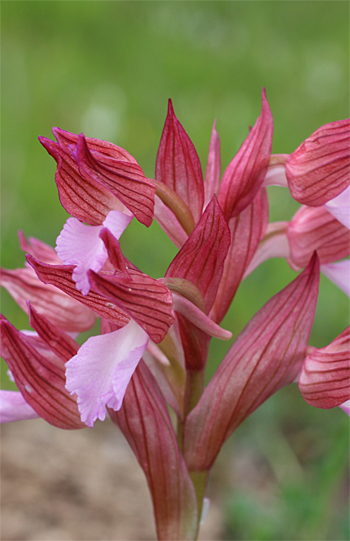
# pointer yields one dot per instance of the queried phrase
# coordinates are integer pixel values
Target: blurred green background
(107, 68)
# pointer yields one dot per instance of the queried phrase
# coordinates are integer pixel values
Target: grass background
(107, 68)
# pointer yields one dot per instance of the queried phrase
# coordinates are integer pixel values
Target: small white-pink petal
(80, 244)
(100, 372)
(346, 407)
(117, 221)
(340, 207)
(275, 176)
(13, 407)
(339, 274)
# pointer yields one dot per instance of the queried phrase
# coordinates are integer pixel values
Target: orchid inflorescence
(146, 367)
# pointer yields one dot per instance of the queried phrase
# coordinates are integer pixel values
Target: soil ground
(84, 485)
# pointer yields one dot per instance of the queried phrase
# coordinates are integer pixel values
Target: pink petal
(340, 207)
(198, 318)
(80, 244)
(212, 172)
(39, 377)
(124, 179)
(60, 276)
(318, 170)
(346, 407)
(13, 407)
(68, 141)
(324, 381)
(38, 249)
(178, 165)
(81, 196)
(66, 313)
(60, 343)
(169, 223)
(274, 244)
(246, 172)
(314, 228)
(201, 259)
(247, 230)
(265, 357)
(100, 372)
(275, 176)
(145, 422)
(339, 274)
(146, 300)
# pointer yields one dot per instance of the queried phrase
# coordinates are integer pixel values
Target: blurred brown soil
(82, 485)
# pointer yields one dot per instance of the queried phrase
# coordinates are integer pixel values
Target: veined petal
(82, 197)
(340, 207)
(80, 244)
(145, 422)
(198, 318)
(274, 244)
(339, 274)
(265, 357)
(39, 377)
(318, 170)
(201, 259)
(13, 407)
(246, 230)
(68, 142)
(124, 179)
(40, 250)
(65, 312)
(100, 372)
(324, 381)
(178, 164)
(245, 174)
(314, 228)
(146, 300)
(60, 276)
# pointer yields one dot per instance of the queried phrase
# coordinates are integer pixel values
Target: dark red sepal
(60, 276)
(145, 299)
(178, 165)
(40, 380)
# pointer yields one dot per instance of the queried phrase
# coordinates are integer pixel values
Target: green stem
(199, 479)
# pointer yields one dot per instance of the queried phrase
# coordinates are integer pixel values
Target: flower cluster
(152, 349)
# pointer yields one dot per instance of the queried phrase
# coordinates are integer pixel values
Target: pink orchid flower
(153, 346)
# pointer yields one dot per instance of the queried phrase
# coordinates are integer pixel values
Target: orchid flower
(155, 334)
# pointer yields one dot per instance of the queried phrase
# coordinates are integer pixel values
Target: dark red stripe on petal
(41, 382)
(266, 356)
(319, 169)
(178, 165)
(325, 377)
(124, 179)
(60, 276)
(147, 301)
(201, 259)
(59, 342)
(81, 196)
(145, 422)
(246, 172)
(65, 312)
(247, 229)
